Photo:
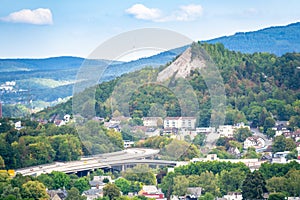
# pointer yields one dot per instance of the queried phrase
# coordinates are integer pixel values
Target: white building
(151, 121)
(256, 142)
(233, 196)
(205, 130)
(228, 130)
(180, 122)
(128, 143)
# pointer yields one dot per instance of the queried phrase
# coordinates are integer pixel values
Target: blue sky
(47, 28)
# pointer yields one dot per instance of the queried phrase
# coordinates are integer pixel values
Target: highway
(128, 156)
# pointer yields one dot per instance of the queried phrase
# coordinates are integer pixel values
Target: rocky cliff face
(189, 60)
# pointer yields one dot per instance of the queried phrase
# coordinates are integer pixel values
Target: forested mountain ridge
(260, 88)
(278, 40)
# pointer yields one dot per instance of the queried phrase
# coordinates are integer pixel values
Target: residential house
(228, 130)
(193, 193)
(294, 135)
(118, 120)
(57, 194)
(93, 194)
(180, 122)
(152, 121)
(151, 191)
(254, 141)
(150, 132)
(128, 143)
(18, 125)
(233, 196)
(97, 182)
(205, 130)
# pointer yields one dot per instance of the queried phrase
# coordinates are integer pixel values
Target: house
(170, 131)
(152, 121)
(228, 130)
(118, 120)
(151, 191)
(188, 122)
(254, 141)
(294, 135)
(171, 122)
(93, 194)
(150, 132)
(233, 196)
(205, 130)
(97, 182)
(18, 125)
(193, 193)
(57, 194)
(180, 122)
(128, 143)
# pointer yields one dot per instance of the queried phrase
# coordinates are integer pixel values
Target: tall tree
(181, 184)
(254, 186)
(111, 191)
(34, 190)
(73, 194)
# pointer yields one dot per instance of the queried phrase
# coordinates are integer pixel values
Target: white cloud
(189, 12)
(184, 13)
(140, 11)
(38, 16)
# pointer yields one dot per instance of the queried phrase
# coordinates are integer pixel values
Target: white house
(128, 143)
(180, 122)
(233, 196)
(151, 121)
(228, 130)
(256, 142)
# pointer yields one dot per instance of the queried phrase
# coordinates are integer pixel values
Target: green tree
(140, 173)
(268, 123)
(254, 186)
(82, 184)
(231, 181)
(181, 184)
(14, 192)
(293, 183)
(167, 184)
(123, 184)
(2, 164)
(74, 194)
(209, 183)
(47, 180)
(277, 196)
(60, 180)
(290, 144)
(277, 184)
(241, 134)
(111, 191)
(207, 196)
(34, 190)
(279, 144)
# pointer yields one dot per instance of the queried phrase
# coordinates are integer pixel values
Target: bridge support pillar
(123, 168)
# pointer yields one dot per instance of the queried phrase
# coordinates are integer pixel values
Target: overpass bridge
(121, 160)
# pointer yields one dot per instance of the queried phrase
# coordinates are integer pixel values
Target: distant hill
(278, 40)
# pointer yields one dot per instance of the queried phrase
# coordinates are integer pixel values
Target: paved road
(98, 161)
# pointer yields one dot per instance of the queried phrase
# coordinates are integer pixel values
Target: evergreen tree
(254, 186)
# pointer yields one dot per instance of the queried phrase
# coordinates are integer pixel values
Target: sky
(49, 28)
